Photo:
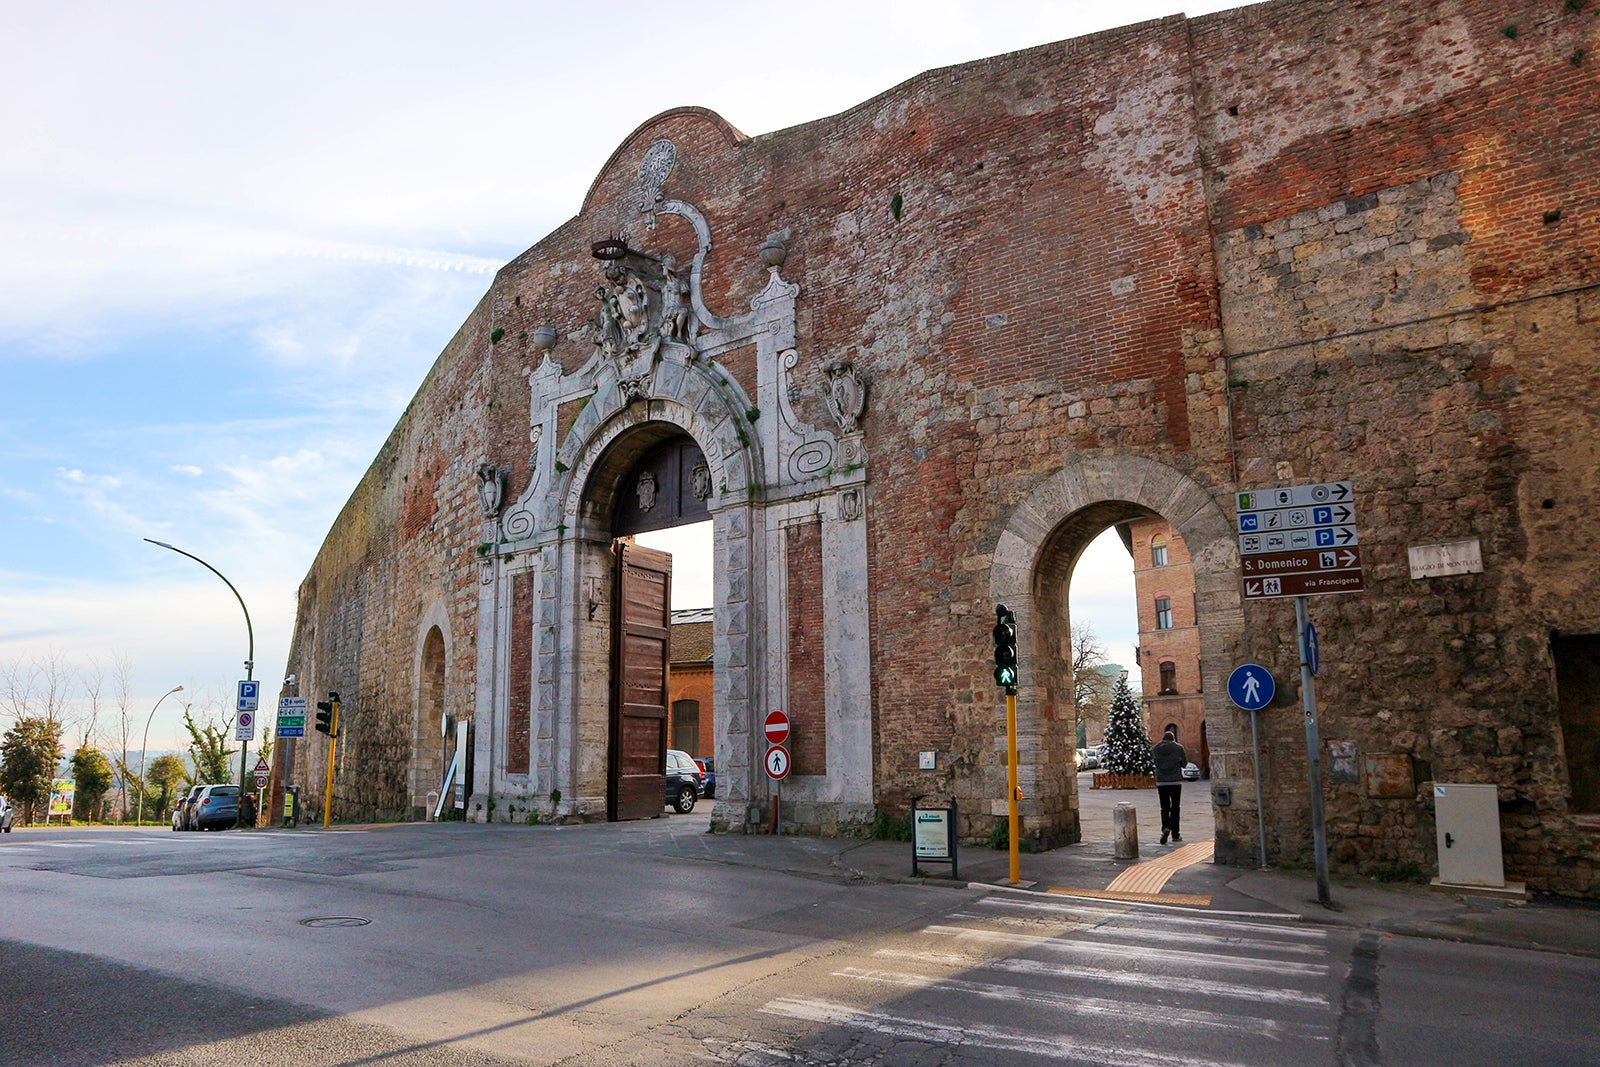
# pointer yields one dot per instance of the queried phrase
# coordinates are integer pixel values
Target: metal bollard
(1125, 831)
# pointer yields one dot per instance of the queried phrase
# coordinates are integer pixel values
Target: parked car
(183, 810)
(1191, 772)
(217, 807)
(683, 781)
(8, 815)
(708, 776)
(1089, 758)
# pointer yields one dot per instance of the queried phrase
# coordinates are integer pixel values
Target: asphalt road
(654, 943)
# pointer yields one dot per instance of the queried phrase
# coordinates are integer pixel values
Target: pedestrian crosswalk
(1014, 978)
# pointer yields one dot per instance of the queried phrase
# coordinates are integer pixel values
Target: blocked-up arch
(430, 706)
(1033, 560)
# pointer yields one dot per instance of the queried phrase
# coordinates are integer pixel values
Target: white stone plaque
(1449, 557)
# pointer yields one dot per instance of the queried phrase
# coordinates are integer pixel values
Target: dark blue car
(217, 807)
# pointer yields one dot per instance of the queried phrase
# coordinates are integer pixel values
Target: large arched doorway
(651, 479)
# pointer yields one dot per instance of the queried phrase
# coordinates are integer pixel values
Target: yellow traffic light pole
(1005, 676)
(1011, 781)
(333, 744)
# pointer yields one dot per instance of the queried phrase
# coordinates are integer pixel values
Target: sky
(235, 236)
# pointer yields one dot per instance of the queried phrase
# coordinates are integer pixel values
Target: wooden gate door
(640, 653)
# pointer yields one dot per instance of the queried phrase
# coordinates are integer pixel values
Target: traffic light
(328, 714)
(1005, 648)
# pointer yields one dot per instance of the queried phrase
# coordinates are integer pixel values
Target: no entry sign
(777, 728)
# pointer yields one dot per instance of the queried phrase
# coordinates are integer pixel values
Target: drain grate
(336, 920)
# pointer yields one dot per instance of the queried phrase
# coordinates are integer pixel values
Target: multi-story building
(1169, 636)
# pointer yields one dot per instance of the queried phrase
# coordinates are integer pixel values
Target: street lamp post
(250, 654)
(144, 753)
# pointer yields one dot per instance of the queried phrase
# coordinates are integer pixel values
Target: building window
(1169, 678)
(686, 726)
(1163, 613)
(1158, 552)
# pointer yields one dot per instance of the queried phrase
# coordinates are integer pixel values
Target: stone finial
(544, 339)
(775, 250)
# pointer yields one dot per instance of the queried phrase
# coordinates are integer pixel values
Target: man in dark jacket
(1170, 760)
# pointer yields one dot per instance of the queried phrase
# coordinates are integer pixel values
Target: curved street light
(143, 753)
(250, 654)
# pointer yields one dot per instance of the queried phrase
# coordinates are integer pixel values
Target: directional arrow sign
(1300, 540)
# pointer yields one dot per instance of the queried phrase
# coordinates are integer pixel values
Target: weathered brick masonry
(1115, 277)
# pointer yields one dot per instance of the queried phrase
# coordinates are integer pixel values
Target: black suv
(683, 781)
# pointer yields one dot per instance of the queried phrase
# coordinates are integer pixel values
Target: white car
(8, 815)
(1191, 772)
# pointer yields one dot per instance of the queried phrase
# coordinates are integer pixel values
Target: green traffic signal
(1005, 647)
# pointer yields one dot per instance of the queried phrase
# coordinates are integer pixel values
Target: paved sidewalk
(1182, 875)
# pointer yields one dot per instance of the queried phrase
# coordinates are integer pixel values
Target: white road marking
(1165, 957)
(1254, 1025)
(1200, 987)
(1061, 1047)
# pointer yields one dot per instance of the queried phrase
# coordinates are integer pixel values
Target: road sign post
(1300, 541)
(1251, 687)
(776, 761)
(1319, 830)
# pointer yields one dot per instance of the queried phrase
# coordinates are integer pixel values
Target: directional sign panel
(1300, 540)
(292, 717)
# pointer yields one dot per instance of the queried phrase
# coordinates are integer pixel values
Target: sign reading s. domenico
(1299, 540)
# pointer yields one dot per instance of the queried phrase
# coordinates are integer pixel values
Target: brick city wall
(1297, 242)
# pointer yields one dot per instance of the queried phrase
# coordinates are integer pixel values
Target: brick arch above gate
(1033, 559)
(1035, 526)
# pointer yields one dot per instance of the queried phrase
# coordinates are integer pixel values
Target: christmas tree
(1126, 749)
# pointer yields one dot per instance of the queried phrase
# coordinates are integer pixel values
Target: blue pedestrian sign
(1251, 687)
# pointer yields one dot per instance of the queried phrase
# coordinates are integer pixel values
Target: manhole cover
(336, 920)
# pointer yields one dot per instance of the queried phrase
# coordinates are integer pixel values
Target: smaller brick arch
(1033, 560)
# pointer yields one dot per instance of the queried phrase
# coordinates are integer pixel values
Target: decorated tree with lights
(1126, 749)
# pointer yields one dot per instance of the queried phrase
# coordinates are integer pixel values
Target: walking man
(1170, 759)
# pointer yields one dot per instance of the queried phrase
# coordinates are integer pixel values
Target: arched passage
(432, 724)
(605, 501)
(1034, 557)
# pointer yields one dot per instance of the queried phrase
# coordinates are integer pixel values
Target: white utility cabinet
(1467, 822)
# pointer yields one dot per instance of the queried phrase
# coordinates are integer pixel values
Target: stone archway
(1033, 560)
(593, 493)
(429, 739)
